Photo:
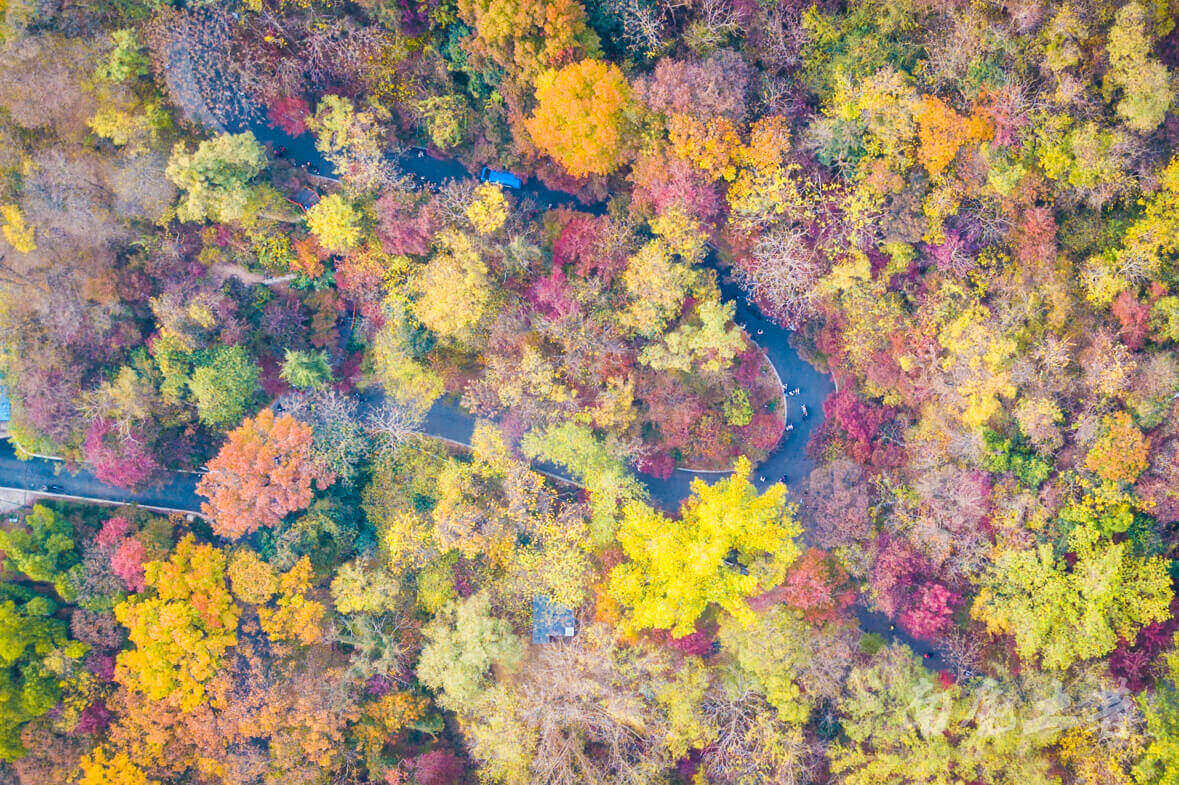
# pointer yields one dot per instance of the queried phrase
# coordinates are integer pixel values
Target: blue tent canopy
(5, 404)
(550, 620)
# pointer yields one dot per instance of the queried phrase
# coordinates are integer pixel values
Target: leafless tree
(276, 55)
(754, 747)
(396, 422)
(452, 201)
(779, 36)
(193, 55)
(643, 24)
(714, 21)
(42, 83)
(961, 652)
(836, 504)
(593, 723)
(782, 273)
(378, 645)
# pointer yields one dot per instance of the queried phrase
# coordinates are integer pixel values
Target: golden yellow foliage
(407, 381)
(252, 579)
(388, 716)
(581, 117)
(180, 633)
(977, 359)
(729, 543)
(656, 282)
(454, 290)
(296, 617)
(710, 146)
(943, 131)
(527, 36)
(99, 768)
(1154, 236)
(18, 233)
(684, 235)
(1092, 760)
(335, 223)
(763, 184)
(489, 210)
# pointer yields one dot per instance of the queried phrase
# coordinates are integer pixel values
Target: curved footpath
(448, 421)
(788, 463)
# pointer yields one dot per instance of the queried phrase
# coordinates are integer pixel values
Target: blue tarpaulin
(550, 620)
(5, 404)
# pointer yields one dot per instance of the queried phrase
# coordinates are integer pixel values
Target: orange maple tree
(1121, 453)
(581, 116)
(263, 472)
(942, 131)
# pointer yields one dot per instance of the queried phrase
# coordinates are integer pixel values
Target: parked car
(506, 179)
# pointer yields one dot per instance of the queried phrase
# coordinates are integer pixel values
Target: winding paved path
(447, 420)
(788, 462)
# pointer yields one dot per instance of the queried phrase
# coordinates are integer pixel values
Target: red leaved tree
(403, 225)
(930, 610)
(438, 767)
(586, 242)
(818, 586)
(1133, 316)
(127, 563)
(289, 113)
(123, 461)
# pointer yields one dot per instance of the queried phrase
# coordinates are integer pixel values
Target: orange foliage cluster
(712, 147)
(1122, 453)
(943, 131)
(263, 472)
(309, 256)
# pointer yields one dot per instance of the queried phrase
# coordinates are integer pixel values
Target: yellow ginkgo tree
(1061, 613)
(335, 223)
(729, 543)
(582, 117)
(181, 629)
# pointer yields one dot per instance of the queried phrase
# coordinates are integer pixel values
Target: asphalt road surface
(51, 478)
(788, 463)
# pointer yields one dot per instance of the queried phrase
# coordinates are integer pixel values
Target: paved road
(179, 495)
(40, 474)
(788, 463)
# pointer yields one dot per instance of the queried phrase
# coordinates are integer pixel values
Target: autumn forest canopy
(520, 486)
